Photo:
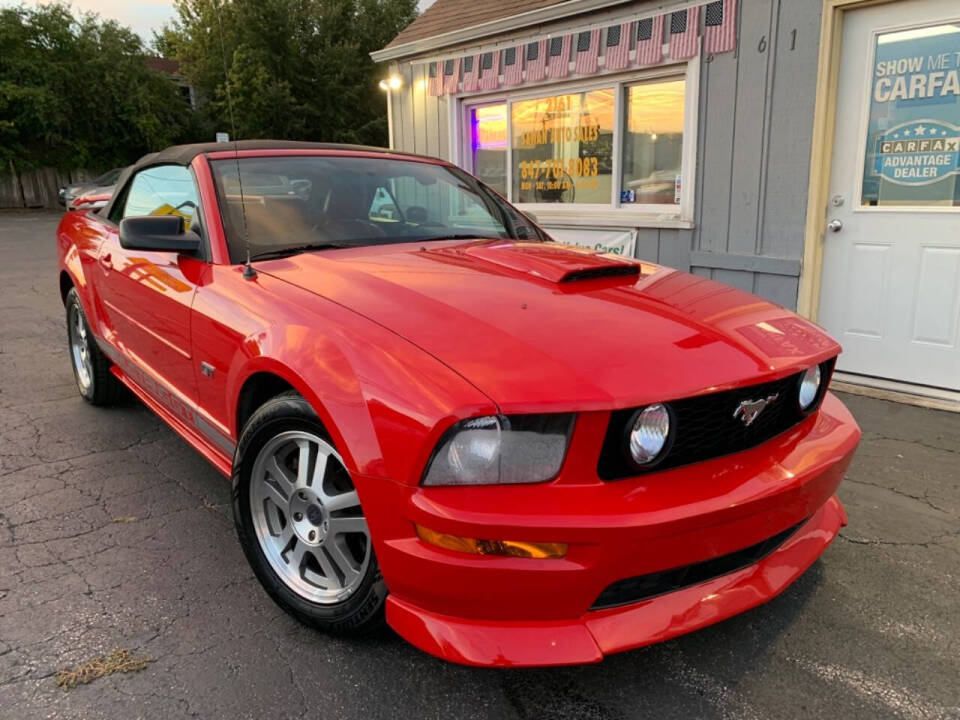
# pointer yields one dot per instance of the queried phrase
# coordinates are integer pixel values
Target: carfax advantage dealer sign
(913, 136)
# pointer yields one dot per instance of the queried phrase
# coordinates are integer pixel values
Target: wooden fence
(36, 188)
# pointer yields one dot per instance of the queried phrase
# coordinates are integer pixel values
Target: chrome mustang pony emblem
(748, 410)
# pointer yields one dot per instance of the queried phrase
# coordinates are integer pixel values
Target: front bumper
(501, 611)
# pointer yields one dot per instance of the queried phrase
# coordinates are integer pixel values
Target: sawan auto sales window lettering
(912, 154)
(563, 148)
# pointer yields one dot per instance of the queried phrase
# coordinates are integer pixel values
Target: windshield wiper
(297, 249)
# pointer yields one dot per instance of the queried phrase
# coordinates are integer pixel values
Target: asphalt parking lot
(114, 533)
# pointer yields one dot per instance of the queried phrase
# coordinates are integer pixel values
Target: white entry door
(890, 288)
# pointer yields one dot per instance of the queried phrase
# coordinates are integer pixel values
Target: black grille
(704, 427)
(642, 587)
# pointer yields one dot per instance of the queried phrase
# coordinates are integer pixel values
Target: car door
(147, 295)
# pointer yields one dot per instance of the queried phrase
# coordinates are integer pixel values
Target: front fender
(384, 401)
(360, 432)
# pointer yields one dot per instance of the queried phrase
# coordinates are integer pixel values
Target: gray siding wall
(421, 123)
(753, 151)
(756, 125)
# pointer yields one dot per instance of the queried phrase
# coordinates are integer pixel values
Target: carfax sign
(917, 153)
(913, 136)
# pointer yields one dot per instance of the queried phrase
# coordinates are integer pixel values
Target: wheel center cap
(315, 515)
(308, 517)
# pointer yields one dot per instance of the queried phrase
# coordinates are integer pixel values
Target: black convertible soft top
(184, 155)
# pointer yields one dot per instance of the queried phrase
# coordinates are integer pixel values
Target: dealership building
(807, 151)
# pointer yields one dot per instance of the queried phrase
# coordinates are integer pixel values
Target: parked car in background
(102, 185)
(91, 201)
(657, 188)
(513, 451)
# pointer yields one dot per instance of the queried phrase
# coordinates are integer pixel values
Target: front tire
(300, 522)
(91, 368)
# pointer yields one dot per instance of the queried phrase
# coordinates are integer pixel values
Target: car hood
(541, 326)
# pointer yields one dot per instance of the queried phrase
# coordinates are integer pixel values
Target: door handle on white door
(835, 225)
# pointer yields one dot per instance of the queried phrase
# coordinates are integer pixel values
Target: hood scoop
(554, 263)
(601, 272)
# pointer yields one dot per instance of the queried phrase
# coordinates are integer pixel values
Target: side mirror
(163, 233)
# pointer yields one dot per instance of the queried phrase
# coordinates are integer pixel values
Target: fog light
(508, 548)
(649, 431)
(809, 388)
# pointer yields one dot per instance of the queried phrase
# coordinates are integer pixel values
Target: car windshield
(108, 178)
(293, 204)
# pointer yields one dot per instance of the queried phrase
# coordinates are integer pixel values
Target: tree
(291, 69)
(75, 92)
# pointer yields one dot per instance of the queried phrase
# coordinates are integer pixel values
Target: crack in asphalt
(933, 542)
(919, 498)
(911, 441)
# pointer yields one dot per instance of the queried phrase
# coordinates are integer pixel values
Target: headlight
(648, 433)
(809, 388)
(499, 450)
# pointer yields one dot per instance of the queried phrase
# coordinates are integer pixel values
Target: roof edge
(493, 27)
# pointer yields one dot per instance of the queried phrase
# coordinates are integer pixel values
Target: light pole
(388, 85)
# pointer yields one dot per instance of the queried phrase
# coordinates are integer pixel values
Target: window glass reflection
(563, 148)
(488, 145)
(653, 143)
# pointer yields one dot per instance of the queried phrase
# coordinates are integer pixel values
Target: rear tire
(300, 523)
(91, 368)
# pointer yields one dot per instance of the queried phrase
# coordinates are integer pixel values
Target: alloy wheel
(307, 517)
(80, 349)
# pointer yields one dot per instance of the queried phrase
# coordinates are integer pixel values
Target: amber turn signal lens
(509, 548)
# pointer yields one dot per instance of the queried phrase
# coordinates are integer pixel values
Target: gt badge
(748, 410)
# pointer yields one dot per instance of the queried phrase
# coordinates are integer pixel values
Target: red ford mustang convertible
(516, 452)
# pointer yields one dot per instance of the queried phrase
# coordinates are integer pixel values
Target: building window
(563, 148)
(488, 144)
(653, 143)
(620, 144)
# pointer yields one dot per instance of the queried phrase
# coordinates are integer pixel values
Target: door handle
(835, 225)
(105, 260)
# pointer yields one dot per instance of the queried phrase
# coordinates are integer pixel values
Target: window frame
(119, 205)
(466, 140)
(612, 214)
(133, 178)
